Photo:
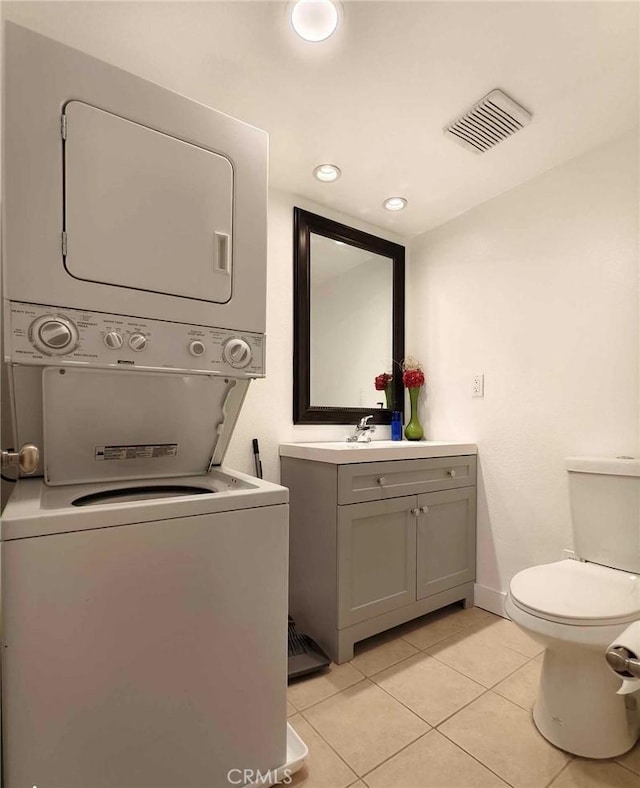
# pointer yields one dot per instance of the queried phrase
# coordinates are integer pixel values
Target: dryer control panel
(46, 335)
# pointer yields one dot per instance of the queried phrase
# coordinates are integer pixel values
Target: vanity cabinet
(375, 544)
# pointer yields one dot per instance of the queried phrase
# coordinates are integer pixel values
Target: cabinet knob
(415, 512)
(451, 472)
(382, 480)
(424, 509)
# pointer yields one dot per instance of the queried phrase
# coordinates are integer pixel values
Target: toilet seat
(577, 593)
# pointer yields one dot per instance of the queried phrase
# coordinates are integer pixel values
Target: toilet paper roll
(629, 640)
(628, 686)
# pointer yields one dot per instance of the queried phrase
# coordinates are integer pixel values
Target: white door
(145, 210)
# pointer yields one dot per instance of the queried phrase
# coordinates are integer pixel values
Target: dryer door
(144, 210)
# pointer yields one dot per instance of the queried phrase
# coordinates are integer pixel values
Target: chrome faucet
(362, 432)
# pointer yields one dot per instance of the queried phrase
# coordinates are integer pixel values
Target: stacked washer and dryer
(144, 606)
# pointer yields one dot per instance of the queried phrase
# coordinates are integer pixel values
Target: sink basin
(341, 452)
(360, 445)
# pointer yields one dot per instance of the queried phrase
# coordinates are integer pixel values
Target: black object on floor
(305, 655)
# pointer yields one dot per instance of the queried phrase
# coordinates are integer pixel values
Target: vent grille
(493, 119)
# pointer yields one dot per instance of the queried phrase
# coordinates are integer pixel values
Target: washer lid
(118, 424)
(577, 592)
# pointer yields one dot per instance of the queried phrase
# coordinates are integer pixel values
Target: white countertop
(341, 452)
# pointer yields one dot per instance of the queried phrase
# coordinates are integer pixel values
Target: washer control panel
(38, 334)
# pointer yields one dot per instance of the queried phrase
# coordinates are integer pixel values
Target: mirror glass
(350, 313)
(348, 323)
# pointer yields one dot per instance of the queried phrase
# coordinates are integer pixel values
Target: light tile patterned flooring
(441, 702)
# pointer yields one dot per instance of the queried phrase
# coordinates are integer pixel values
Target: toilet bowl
(575, 610)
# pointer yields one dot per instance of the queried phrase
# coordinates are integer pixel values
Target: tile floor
(441, 702)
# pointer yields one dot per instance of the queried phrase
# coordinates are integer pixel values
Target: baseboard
(489, 599)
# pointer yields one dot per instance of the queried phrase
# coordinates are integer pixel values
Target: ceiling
(374, 97)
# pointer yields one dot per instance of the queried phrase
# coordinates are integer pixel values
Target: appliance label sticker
(141, 452)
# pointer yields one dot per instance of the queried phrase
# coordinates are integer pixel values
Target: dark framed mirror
(348, 320)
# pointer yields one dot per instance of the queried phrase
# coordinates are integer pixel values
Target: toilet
(577, 608)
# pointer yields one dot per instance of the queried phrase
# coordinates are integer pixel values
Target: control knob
(113, 340)
(197, 348)
(137, 342)
(237, 352)
(54, 335)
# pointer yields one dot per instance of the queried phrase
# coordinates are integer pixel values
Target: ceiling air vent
(494, 118)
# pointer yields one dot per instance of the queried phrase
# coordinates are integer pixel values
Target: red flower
(413, 378)
(382, 381)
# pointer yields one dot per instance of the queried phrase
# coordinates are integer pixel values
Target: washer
(145, 639)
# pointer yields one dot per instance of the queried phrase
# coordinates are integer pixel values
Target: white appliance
(144, 622)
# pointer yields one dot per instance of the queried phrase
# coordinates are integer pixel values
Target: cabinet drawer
(374, 481)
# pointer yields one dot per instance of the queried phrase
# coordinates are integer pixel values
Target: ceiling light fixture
(395, 203)
(327, 173)
(314, 20)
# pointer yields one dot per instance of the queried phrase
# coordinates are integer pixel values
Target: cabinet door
(446, 542)
(376, 558)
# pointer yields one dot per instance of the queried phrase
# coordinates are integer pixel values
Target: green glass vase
(413, 431)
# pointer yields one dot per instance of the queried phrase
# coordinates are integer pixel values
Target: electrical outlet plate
(478, 386)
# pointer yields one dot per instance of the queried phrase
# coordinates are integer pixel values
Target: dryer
(122, 196)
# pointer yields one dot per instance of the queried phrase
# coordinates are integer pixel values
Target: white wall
(267, 413)
(538, 290)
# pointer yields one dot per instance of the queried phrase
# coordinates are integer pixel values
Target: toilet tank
(605, 510)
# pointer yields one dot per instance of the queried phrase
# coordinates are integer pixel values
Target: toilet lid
(578, 593)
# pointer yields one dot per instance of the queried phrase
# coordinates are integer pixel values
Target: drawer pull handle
(451, 472)
(382, 480)
(424, 509)
(415, 512)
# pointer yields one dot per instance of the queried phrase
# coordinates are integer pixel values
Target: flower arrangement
(412, 373)
(384, 382)
(413, 380)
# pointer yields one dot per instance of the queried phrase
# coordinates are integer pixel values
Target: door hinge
(64, 244)
(63, 126)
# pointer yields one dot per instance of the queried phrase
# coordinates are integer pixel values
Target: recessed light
(395, 203)
(314, 20)
(327, 172)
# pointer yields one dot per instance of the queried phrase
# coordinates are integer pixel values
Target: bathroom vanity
(380, 533)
